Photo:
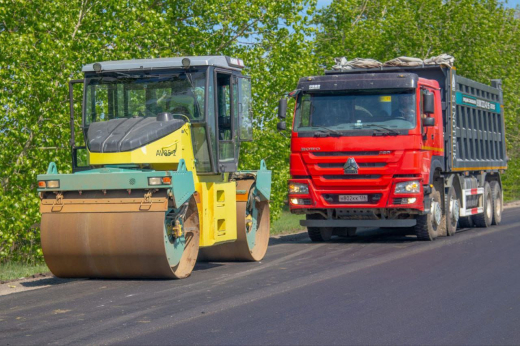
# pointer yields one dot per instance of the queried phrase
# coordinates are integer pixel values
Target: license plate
(353, 198)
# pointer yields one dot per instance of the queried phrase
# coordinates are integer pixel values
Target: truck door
(432, 135)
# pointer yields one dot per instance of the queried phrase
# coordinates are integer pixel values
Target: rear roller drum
(253, 227)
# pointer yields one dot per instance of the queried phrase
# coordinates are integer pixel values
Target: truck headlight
(300, 201)
(408, 187)
(298, 188)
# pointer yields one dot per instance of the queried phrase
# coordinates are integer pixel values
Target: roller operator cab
(410, 147)
(155, 186)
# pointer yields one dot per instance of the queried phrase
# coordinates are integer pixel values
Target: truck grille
(345, 153)
(360, 164)
(352, 177)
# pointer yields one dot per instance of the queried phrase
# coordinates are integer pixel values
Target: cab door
(226, 112)
(432, 135)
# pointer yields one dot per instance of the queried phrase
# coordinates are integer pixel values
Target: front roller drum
(253, 225)
(120, 245)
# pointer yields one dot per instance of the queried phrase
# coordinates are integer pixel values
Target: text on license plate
(353, 198)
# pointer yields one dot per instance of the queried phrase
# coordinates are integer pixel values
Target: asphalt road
(382, 287)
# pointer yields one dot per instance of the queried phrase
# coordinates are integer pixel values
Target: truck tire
(431, 225)
(484, 219)
(452, 206)
(344, 232)
(318, 234)
(498, 207)
(466, 222)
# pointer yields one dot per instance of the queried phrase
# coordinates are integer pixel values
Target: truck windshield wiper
(325, 132)
(389, 132)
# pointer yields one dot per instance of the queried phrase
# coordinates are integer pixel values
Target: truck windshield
(125, 95)
(347, 111)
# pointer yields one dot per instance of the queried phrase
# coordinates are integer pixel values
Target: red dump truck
(409, 147)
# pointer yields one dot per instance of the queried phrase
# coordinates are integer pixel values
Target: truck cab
(368, 150)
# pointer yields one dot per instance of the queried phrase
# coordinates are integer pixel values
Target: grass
(16, 270)
(287, 223)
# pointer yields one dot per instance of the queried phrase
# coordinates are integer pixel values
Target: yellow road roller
(156, 184)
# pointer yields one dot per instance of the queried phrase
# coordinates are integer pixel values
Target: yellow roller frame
(215, 197)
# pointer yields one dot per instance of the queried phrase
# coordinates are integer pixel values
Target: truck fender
(437, 164)
(455, 180)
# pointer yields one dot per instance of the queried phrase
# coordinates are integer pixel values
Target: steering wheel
(364, 112)
(181, 116)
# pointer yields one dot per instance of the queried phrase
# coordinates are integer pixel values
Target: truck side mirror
(282, 108)
(428, 122)
(281, 126)
(428, 106)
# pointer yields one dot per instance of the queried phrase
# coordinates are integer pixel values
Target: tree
(43, 44)
(482, 35)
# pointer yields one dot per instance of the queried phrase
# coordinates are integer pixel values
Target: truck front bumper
(359, 223)
(377, 197)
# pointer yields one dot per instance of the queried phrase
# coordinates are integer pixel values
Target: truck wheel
(466, 222)
(431, 225)
(319, 234)
(498, 207)
(452, 211)
(484, 219)
(344, 232)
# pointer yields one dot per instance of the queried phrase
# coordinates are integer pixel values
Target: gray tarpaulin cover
(343, 64)
(360, 63)
(404, 61)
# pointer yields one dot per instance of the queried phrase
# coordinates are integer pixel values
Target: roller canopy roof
(164, 63)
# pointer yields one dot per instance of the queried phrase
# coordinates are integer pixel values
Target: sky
(510, 3)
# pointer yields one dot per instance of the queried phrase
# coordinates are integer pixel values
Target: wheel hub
(437, 213)
(489, 208)
(454, 210)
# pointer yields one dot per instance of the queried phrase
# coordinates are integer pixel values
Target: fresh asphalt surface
(382, 287)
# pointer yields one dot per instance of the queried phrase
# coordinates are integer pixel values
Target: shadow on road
(206, 265)
(52, 281)
(376, 235)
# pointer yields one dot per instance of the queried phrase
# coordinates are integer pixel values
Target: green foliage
(482, 35)
(43, 45)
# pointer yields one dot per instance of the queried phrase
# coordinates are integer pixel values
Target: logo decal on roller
(166, 152)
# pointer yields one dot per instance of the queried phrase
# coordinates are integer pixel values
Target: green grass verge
(11, 271)
(287, 223)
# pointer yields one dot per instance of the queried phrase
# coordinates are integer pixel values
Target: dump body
(382, 147)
